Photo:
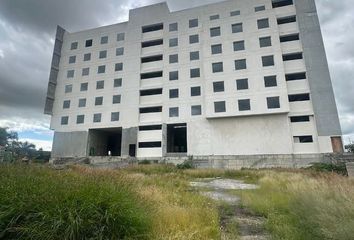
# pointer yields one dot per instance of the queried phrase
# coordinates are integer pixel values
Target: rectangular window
(149, 144)
(120, 51)
(235, 13)
(290, 38)
(85, 71)
(273, 102)
(152, 28)
(240, 64)
(100, 85)
(173, 112)
(173, 27)
(303, 139)
(270, 81)
(151, 92)
(263, 23)
(120, 37)
(80, 119)
(83, 87)
(174, 93)
(297, 119)
(68, 88)
(152, 43)
(150, 110)
(70, 73)
(292, 56)
(116, 99)
(268, 61)
(195, 91)
(66, 104)
(265, 42)
(299, 97)
(218, 86)
(114, 116)
(104, 40)
(150, 128)
(239, 46)
(97, 117)
(218, 67)
(173, 42)
(173, 58)
(259, 8)
(195, 72)
(103, 54)
(117, 82)
(244, 105)
(101, 69)
(242, 84)
(64, 120)
(74, 45)
(118, 67)
(82, 102)
(214, 32)
(88, 43)
(216, 49)
(281, 3)
(151, 75)
(98, 101)
(155, 58)
(214, 17)
(295, 76)
(196, 110)
(173, 75)
(193, 23)
(72, 59)
(285, 20)
(219, 107)
(87, 57)
(237, 28)
(193, 38)
(194, 55)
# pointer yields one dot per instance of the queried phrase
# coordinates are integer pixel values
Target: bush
(339, 168)
(40, 203)
(186, 165)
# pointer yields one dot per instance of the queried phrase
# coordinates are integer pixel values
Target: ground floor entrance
(105, 142)
(177, 138)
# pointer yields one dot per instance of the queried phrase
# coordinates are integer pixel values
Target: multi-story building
(231, 78)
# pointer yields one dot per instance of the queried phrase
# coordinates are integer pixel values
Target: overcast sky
(27, 29)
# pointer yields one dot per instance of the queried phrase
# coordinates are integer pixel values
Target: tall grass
(305, 206)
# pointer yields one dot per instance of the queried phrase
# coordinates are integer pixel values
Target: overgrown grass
(304, 205)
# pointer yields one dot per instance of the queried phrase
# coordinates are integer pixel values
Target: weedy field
(157, 202)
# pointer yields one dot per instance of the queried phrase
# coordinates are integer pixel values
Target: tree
(6, 138)
(350, 147)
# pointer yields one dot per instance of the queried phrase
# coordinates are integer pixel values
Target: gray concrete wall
(350, 169)
(129, 136)
(69, 144)
(318, 75)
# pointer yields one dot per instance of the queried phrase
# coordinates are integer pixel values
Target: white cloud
(45, 145)
(2, 55)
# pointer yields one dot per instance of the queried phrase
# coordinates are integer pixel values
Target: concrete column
(129, 136)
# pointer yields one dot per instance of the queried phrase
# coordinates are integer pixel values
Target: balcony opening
(151, 75)
(151, 92)
(281, 3)
(151, 59)
(152, 43)
(151, 110)
(152, 28)
(285, 20)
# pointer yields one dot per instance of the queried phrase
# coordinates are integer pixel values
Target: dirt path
(236, 222)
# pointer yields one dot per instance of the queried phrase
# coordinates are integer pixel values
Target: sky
(27, 30)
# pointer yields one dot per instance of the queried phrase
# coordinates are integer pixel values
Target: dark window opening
(299, 97)
(151, 75)
(295, 76)
(177, 138)
(150, 144)
(88, 43)
(281, 3)
(150, 128)
(220, 107)
(152, 43)
(303, 139)
(289, 38)
(285, 20)
(292, 56)
(151, 59)
(300, 119)
(152, 28)
(270, 81)
(151, 110)
(151, 92)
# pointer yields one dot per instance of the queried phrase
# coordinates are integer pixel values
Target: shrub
(339, 168)
(188, 164)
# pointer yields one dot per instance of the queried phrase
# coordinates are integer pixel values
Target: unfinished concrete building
(232, 78)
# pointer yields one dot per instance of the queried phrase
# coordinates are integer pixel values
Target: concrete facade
(233, 78)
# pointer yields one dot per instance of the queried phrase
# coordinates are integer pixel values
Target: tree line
(11, 149)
